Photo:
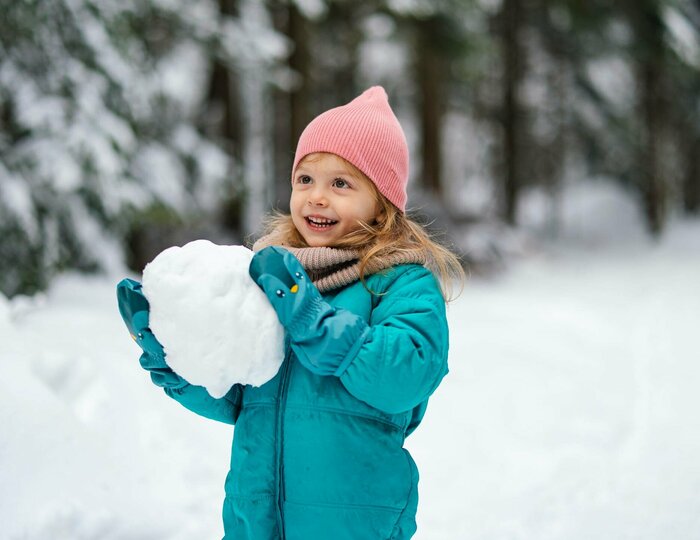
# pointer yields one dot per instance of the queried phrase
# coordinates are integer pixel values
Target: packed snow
(569, 413)
(216, 326)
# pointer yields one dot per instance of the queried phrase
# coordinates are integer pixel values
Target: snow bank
(217, 327)
(65, 473)
(570, 411)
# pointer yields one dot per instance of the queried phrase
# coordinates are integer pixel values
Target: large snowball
(217, 327)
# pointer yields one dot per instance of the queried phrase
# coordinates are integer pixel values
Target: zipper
(281, 400)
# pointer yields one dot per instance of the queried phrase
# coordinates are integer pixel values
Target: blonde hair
(393, 233)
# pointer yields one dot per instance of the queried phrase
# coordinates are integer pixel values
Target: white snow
(594, 211)
(682, 36)
(569, 413)
(614, 79)
(571, 408)
(215, 324)
(16, 198)
(164, 173)
(312, 9)
(417, 8)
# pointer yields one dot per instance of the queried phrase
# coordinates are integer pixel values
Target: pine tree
(99, 104)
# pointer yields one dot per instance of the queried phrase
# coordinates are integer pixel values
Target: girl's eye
(304, 179)
(339, 182)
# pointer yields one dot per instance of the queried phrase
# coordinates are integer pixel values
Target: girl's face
(329, 197)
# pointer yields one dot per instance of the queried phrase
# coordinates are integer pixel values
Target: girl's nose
(317, 198)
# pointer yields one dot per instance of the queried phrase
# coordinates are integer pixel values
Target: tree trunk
(691, 183)
(648, 28)
(224, 97)
(431, 69)
(558, 148)
(300, 62)
(654, 185)
(257, 151)
(511, 15)
(344, 20)
(222, 120)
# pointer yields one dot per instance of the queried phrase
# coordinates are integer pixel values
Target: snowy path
(570, 412)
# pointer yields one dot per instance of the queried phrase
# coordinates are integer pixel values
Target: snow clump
(215, 324)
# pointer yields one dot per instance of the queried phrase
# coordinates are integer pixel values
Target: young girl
(318, 450)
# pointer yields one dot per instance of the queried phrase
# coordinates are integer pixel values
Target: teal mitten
(324, 338)
(134, 309)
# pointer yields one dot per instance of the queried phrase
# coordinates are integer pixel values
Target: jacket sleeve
(403, 356)
(197, 399)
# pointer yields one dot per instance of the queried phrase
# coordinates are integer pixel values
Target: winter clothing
(366, 133)
(321, 456)
(330, 268)
(318, 456)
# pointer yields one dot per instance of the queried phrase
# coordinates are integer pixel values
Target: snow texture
(215, 324)
(682, 36)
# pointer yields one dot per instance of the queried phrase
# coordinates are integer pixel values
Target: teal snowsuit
(321, 457)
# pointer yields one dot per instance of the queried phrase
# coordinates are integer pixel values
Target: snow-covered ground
(571, 408)
(570, 411)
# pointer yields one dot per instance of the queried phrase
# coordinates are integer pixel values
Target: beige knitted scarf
(330, 268)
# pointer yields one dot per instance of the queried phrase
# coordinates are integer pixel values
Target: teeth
(320, 221)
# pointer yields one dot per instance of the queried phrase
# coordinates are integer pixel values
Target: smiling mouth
(319, 224)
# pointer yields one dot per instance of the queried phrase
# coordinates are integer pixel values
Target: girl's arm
(403, 356)
(394, 363)
(198, 400)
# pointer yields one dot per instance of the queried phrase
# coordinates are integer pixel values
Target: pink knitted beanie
(366, 133)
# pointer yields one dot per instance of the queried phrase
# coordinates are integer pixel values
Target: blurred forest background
(128, 126)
